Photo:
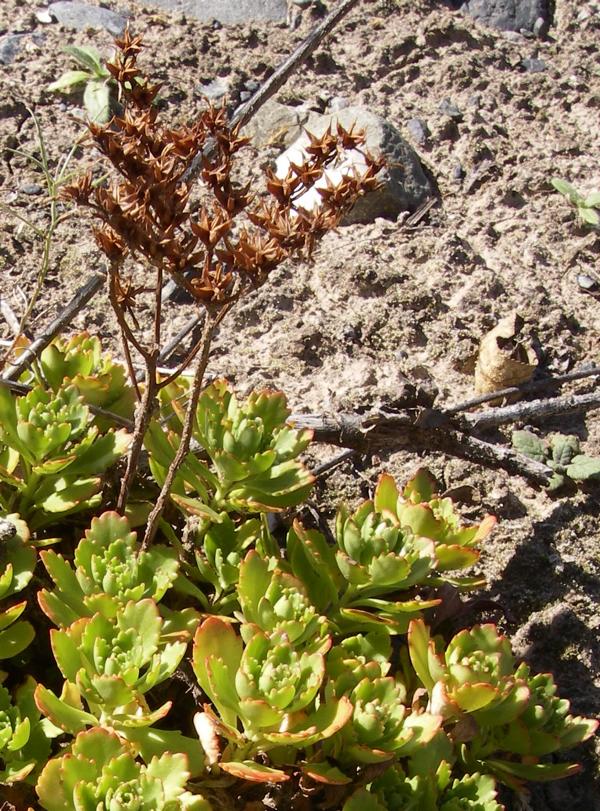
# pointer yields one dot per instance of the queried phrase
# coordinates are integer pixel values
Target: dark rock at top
(510, 15)
(228, 12)
(82, 16)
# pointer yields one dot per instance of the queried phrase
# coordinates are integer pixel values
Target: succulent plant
(382, 725)
(252, 449)
(376, 555)
(112, 663)
(220, 548)
(51, 456)
(268, 686)
(364, 656)
(496, 708)
(430, 516)
(475, 674)
(80, 361)
(100, 772)
(399, 792)
(562, 453)
(276, 602)
(17, 562)
(109, 572)
(23, 744)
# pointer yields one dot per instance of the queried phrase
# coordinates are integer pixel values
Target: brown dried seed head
(79, 191)
(110, 243)
(129, 45)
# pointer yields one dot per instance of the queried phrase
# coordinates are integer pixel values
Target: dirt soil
(384, 302)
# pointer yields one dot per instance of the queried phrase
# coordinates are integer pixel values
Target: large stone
(81, 16)
(404, 184)
(275, 123)
(228, 12)
(510, 15)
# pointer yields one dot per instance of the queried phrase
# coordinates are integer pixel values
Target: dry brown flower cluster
(217, 252)
(145, 213)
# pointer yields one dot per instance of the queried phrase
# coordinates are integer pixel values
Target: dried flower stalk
(219, 254)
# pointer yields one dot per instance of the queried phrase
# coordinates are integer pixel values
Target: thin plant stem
(142, 420)
(186, 435)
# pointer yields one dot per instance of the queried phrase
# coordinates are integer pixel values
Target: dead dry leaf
(506, 358)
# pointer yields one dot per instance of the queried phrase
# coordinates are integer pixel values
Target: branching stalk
(190, 416)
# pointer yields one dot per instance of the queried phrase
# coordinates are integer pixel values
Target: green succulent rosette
(109, 571)
(263, 683)
(475, 674)
(277, 603)
(440, 791)
(428, 515)
(112, 663)
(80, 360)
(51, 454)
(101, 772)
(24, 747)
(376, 555)
(356, 658)
(382, 726)
(17, 562)
(252, 449)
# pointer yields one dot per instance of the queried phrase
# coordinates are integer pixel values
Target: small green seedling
(93, 76)
(562, 454)
(586, 206)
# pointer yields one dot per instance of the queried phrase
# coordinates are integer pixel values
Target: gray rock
(337, 103)
(534, 65)
(228, 12)
(9, 47)
(81, 16)
(275, 123)
(449, 108)
(511, 15)
(404, 184)
(214, 90)
(7, 529)
(418, 130)
(31, 189)
(251, 85)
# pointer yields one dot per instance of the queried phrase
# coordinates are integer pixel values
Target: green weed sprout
(93, 77)
(587, 207)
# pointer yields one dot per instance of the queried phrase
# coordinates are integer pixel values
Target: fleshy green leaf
(69, 79)
(584, 467)
(96, 99)
(529, 444)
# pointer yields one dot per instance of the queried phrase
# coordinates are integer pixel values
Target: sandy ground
(384, 302)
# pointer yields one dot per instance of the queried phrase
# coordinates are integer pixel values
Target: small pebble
(418, 130)
(458, 172)
(588, 283)
(9, 47)
(214, 90)
(450, 109)
(31, 189)
(534, 65)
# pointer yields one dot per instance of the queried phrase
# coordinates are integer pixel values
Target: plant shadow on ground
(543, 588)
